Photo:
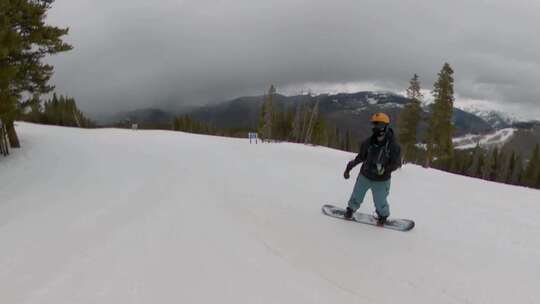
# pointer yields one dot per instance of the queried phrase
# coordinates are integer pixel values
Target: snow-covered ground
(490, 140)
(121, 216)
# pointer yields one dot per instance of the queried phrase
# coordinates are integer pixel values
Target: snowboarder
(379, 154)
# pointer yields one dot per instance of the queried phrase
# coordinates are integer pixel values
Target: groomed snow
(121, 216)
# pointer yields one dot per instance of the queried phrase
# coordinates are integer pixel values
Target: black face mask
(379, 129)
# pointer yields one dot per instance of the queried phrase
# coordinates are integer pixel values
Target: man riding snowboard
(380, 155)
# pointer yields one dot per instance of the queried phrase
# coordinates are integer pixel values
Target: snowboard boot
(381, 220)
(348, 213)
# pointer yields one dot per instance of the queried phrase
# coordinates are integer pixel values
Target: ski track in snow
(121, 216)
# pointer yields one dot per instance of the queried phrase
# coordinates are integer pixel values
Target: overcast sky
(165, 53)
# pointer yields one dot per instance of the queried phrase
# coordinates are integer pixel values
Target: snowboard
(394, 224)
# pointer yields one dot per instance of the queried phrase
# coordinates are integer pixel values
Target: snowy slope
(495, 139)
(120, 216)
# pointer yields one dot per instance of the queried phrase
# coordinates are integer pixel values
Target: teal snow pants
(379, 189)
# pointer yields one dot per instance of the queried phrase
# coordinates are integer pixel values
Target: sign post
(252, 136)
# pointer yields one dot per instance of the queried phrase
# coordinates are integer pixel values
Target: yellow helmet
(380, 117)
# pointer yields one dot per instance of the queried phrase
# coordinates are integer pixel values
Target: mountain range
(344, 110)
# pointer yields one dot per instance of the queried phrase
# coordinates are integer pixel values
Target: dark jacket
(386, 154)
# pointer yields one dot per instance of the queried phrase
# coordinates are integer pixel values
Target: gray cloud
(130, 54)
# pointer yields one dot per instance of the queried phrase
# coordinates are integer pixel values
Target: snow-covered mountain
(497, 119)
(361, 100)
(345, 110)
(121, 216)
(508, 132)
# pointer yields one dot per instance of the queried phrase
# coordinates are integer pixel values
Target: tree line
(59, 110)
(435, 148)
(186, 123)
(499, 166)
(301, 124)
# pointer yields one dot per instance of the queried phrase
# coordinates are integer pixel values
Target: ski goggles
(379, 125)
(379, 128)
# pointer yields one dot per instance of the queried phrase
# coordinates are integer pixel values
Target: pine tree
(297, 123)
(537, 185)
(277, 124)
(311, 124)
(532, 167)
(494, 165)
(519, 170)
(348, 136)
(305, 123)
(25, 40)
(511, 168)
(440, 128)
(10, 44)
(268, 114)
(467, 164)
(289, 125)
(456, 163)
(60, 110)
(262, 117)
(333, 136)
(36, 110)
(410, 118)
(321, 134)
(283, 124)
(337, 138)
(479, 172)
(471, 170)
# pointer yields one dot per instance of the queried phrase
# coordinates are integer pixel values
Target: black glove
(346, 174)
